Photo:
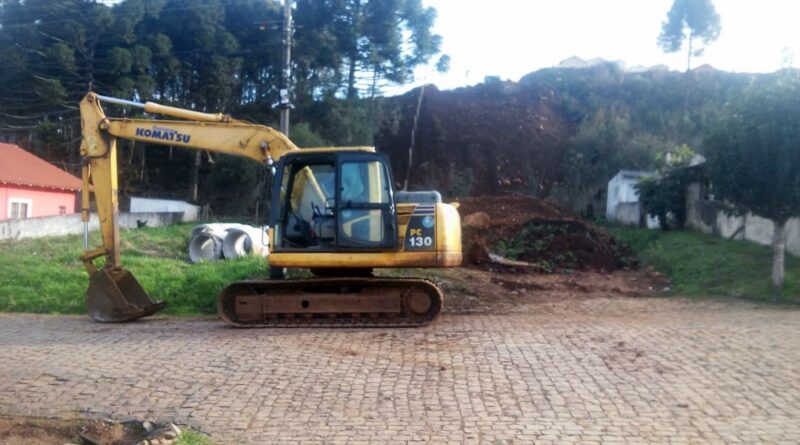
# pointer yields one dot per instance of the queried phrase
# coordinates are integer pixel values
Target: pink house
(32, 187)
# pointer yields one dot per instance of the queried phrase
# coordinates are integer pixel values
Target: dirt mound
(34, 431)
(538, 236)
(512, 210)
(24, 430)
(568, 245)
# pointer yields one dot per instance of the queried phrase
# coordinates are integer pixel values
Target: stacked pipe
(212, 242)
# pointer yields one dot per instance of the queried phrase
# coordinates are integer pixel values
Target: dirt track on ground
(489, 290)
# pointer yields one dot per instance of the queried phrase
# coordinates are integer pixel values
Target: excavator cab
(334, 201)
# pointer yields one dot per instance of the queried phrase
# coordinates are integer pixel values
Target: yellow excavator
(333, 211)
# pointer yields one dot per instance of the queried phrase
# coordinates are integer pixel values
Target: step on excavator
(332, 210)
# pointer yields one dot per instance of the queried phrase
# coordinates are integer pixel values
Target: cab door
(303, 193)
(365, 210)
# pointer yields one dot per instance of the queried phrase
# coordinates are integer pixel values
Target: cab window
(364, 197)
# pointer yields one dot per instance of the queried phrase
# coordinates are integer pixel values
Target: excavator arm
(113, 293)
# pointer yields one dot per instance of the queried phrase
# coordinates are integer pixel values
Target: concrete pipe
(206, 246)
(245, 241)
(218, 228)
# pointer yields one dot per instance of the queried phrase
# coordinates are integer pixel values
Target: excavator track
(331, 302)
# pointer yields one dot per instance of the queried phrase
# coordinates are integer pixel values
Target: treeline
(213, 55)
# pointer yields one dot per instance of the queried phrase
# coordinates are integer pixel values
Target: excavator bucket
(114, 295)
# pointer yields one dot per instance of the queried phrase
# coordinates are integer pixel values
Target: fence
(72, 225)
(708, 216)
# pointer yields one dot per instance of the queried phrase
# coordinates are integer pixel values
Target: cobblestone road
(593, 371)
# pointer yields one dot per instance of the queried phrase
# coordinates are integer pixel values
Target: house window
(19, 208)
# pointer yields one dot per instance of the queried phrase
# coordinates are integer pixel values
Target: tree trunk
(352, 92)
(778, 253)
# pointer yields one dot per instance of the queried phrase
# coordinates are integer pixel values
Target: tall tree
(372, 42)
(206, 76)
(689, 20)
(754, 160)
(58, 49)
(256, 26)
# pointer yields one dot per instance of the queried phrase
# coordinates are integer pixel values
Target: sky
(510, 38)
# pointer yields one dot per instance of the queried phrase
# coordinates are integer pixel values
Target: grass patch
(45, 275)
(193, 438)
(700, 265)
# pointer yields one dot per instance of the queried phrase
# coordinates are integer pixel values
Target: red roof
(21, 167)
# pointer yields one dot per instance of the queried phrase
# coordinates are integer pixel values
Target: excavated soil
(19, 430)
(544, 236)
(493, 290)
(512, 211)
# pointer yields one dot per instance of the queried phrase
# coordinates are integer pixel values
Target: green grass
(45, 275)
(192, 438)
(700, 265)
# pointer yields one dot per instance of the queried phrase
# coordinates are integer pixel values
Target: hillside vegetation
(558, 133)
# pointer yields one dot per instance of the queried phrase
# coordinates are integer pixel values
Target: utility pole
(285, 101)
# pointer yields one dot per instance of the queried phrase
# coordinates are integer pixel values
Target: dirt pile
(528, 233)
(18, 430)
(23, 430)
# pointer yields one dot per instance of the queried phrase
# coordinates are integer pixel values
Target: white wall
(707, 217)
(60, 225)
(754, 228)
(151, 205)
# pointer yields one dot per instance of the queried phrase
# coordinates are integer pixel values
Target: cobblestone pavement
(592, 371)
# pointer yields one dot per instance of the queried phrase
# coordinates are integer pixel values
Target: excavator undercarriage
(326, 302)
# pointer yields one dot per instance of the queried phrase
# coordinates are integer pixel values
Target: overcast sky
(510, 38)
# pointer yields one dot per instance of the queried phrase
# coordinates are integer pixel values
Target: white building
(622, 199)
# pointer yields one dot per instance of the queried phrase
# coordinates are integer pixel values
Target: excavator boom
(114, 294)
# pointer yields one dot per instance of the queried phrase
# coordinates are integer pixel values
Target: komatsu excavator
(333, 211)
